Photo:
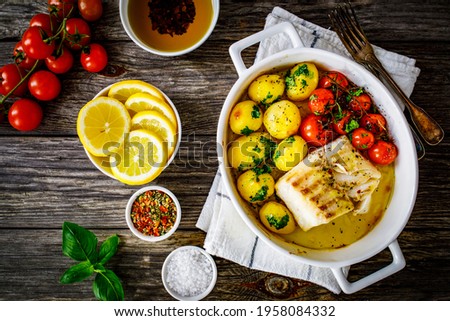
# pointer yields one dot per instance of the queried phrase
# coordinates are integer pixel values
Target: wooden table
(46, 178)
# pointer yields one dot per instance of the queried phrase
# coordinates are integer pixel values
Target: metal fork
(347, 27)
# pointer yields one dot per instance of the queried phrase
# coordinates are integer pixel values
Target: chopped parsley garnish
(277, 224)
(255, 112)
(260, 195)
(264, 101)
(256, 149)
(265, 169)
(246, 131)
(301, 70)
(351, 125)
(269, 146)
(276, 155)
(354, 92)
(290, 139)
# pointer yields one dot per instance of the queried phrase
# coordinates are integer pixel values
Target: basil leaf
(107, 287)
(79, 243)
(108, 249)
(77, 273)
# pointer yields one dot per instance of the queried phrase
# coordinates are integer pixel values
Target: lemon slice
(102, 124)
(143, 101)
(124, 89)
(140, 159)
(154, 122)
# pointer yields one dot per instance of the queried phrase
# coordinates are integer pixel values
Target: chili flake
(171, 16)
(153, 213)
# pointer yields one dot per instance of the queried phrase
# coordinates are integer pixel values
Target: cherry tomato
(60, 64)
(375, 123)
(78, 33)
(90, 10)
(94, 58)
(360, 102)
(44, 85)
(25, 114)
(345, 122)
(21, 58)
(10, 76)
(321, 101)
(333, 79)
(383, 153)
(362, 139)
(314, 131)
(61, 8)
(36, 44)
(45, 21)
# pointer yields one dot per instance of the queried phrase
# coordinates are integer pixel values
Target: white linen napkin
(227, 235)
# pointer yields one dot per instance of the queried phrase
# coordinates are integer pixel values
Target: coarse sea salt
(189, 273)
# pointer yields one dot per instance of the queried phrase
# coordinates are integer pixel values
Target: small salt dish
(191, 266)
(129, 208)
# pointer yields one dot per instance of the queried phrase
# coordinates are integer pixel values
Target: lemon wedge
(143, 101)
(154, 122)
(140, 159)
(124, 89)
(102, 124)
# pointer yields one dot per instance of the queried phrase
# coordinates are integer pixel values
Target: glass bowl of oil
(169, 28)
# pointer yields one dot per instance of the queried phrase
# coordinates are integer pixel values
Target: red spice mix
(153, 213)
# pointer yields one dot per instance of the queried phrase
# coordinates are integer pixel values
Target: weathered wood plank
(138, 264)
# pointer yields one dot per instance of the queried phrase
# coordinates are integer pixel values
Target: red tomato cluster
(339, 108)
(48, 48)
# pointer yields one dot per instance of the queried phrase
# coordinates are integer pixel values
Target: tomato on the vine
(78, 33)
(375, 123)
(10, 76)
(362, 139)
(344, 122)
(333, 79)
(90, 10)
(94, 58)
(45, 21)
(25, 114)
(44, 85)
(21, 58)
(60, 64)
(313, 130)
(383, 153)
(321, 101)
(61, 8)
(37, 44)
(359, 102)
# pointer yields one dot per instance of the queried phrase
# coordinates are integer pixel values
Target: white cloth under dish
(227, 235)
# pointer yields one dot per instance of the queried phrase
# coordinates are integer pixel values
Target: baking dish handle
(236, 48)
(398, 263)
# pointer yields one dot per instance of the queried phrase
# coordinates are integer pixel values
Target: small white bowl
(123, 8)
(178, 296)
(135, 231)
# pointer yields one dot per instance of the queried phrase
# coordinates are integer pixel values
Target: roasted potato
(277, 218)
(289, 152)
(282, 119)
(255, 187)
(266, 89)
(246, 118)
(250, 151)
(301, 80)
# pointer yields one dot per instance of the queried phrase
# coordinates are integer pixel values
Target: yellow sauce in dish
(138, 12)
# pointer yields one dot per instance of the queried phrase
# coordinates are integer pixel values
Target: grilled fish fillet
(332, 181)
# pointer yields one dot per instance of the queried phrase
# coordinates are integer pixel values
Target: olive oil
(141, 24)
